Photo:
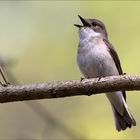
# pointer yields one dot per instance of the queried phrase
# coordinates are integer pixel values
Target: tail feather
(123, 121)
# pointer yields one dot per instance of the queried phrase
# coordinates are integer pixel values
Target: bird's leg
(99, 78)
(4, 78)
(82, 79)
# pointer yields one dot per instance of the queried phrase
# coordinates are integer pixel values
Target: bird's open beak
(79, 26)
(84, 21)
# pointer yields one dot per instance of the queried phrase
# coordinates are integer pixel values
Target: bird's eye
(94, 24)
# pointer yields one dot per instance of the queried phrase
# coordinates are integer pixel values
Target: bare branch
(69, 88)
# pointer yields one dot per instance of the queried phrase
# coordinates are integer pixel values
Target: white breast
(94, 60)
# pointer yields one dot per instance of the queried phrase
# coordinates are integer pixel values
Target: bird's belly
(96, 62)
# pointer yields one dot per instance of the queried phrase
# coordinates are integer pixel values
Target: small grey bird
(97, 58)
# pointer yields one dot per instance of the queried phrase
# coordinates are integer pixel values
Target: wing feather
(116, 60)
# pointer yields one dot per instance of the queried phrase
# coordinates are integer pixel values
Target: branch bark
(69, 88)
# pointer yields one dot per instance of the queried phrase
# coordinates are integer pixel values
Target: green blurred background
(38, 43)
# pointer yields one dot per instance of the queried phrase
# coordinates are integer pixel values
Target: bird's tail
(123, 121)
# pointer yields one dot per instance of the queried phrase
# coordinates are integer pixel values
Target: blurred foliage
(39, 37)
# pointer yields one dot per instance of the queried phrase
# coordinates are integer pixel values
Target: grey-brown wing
(116, 59)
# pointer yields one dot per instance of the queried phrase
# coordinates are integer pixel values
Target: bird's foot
(83, 78)
(99, 78)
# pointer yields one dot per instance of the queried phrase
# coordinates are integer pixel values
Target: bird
(96, 57)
